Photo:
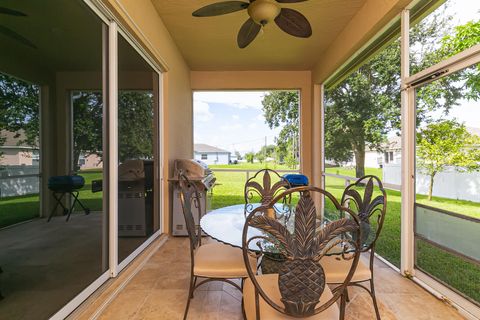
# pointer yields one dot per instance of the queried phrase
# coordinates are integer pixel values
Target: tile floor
(159, 291)
(50, 263)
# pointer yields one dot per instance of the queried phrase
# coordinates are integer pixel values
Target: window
(138, 207)
(47, 264)
(361, 122)
(244, 132)
(447, 153)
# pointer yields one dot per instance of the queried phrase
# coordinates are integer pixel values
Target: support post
(408, 154)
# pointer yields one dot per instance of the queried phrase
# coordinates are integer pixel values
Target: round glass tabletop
(226, 225)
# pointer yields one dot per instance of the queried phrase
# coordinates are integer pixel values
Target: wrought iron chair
(371, 210)
(299, 289)
(266, 192)
(213, 261)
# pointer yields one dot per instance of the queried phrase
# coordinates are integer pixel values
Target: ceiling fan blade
(290, 1)
(15, 36)
(293, 23)
(12, 12)
(220, 8)
(247, 33)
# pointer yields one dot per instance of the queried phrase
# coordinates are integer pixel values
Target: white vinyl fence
(19, 180)
(447, 184)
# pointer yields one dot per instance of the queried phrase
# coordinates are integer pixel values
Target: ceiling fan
(12, 34)
(261, 13)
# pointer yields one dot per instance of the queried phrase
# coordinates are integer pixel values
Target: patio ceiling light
(261, 13)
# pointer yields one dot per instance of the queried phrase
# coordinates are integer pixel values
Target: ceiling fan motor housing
(264, 11)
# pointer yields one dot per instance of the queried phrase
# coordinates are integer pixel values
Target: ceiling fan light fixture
(263, 11)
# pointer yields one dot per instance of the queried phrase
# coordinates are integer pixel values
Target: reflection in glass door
(138, 216)
(47, 260)
(447, 204)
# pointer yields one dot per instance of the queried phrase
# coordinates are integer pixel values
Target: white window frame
(114, 30)
(442, 69)
(408, 131)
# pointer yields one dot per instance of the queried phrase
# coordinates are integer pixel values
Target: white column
(408, 155)
(113, 147)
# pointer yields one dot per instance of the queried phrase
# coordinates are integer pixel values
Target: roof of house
(205, 148)
(14, 139)
(393, 143)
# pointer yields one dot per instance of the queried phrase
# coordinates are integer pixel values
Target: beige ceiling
(210, 43)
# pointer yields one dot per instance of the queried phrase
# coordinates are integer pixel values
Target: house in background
(90, 161)
(13, 152)
(211, 155)
(391, 154)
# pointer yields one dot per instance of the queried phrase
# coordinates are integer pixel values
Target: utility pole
(265, 150)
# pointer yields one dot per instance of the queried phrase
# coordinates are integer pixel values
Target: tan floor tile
(418, 306)
(160, 289)
(361, 306)
(125, 306)
(163, 304)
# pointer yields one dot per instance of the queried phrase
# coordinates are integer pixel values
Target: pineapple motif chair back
(190, 200)
(368, 199)
(259, 189)
(301, 278)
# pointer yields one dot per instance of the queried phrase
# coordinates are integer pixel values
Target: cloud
(260, 117)
(236, 116)
(201, 111)
(231, 127)
(235, 99)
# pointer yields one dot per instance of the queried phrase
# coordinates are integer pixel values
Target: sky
(233, 120)
(467, 112)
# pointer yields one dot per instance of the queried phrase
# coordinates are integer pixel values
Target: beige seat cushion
(269, 284)
(217, 260)
(336, 270)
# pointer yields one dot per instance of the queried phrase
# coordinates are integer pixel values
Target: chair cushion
(336, 270)
(269, 284)
(218, 260)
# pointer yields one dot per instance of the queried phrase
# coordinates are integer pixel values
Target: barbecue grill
(135, 198)
(62, 185)
(197, 172)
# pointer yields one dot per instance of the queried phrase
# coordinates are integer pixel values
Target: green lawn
(252, 166)
(441, 264)
(17, 209)
(229, 191)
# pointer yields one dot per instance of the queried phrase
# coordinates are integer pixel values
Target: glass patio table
(226, 225)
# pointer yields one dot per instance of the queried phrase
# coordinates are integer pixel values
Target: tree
(265, 152)
(87, 124)
(446, 144)
(281, 109)
(260, 156)
(238, 155)
(19, 109)
(362, 109)
(290, 159)
(135, 125)
(249, 156)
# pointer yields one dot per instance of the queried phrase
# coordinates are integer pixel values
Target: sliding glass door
(447, 179)
(59, 236)
(53, 226)
(138, 149)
